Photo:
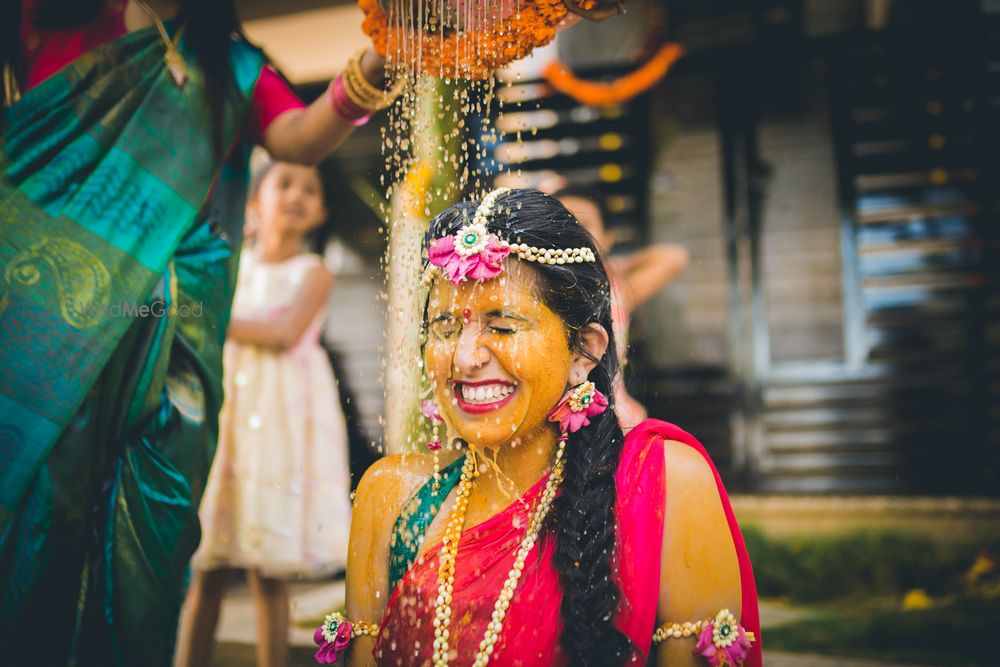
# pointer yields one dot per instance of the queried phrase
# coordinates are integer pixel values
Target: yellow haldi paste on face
(496, 330)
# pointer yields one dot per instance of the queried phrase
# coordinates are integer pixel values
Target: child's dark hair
(265, 168)
(583, 515)
(317, 238)
(258, 176)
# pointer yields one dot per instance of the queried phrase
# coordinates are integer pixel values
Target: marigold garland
(620, 90)
(471, 54)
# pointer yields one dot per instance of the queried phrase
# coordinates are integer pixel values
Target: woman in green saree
(122, 180)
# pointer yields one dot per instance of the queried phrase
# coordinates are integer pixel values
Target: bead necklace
(449, 553)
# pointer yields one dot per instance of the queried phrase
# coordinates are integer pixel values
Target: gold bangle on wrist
(351, 89)
(362, 92)
(365, 87)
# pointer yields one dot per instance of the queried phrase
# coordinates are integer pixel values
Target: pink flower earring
(430, 410)
(576, 408)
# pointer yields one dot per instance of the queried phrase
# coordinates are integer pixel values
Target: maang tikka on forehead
(476, 253)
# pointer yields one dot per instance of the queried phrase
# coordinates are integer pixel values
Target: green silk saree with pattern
(119, 239)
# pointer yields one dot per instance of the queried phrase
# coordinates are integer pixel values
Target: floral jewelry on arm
(476, 253)
(577, 406)
(722, 641)
(335, 635)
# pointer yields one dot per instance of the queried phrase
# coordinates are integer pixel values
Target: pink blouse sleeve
(641, 488)
(271, 98)
(46, 51)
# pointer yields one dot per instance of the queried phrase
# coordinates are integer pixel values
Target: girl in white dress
(277, 500)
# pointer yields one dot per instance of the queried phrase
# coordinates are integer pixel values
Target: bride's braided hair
(582, 517)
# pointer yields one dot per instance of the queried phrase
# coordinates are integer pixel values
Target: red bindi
(467, 315)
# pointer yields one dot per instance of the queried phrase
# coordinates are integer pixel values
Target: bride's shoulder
(685, 457)
(393, 479)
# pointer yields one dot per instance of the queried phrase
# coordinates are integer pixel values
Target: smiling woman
(537, 544)
(482, 358)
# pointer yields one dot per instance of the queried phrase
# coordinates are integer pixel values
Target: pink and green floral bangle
(335, 635)
(721, 641)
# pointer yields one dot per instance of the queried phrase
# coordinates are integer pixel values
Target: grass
(859, 566)
(882, 596)
(957, 633)
(230, 654)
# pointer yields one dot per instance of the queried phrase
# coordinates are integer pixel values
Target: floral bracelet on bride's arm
(721, 641)
(335, 635)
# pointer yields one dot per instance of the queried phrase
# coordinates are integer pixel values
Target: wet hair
(583, 515)
(210, 27)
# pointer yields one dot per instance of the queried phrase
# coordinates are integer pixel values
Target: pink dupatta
(654, 431)
(530, 636)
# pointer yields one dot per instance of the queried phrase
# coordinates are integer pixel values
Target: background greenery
(881, 596)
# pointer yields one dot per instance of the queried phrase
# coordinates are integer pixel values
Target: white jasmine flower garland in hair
(476, 253)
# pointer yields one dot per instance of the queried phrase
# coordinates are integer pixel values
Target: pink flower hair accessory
(477, 254)
(723, 642)
(576, 408)
(473, 253)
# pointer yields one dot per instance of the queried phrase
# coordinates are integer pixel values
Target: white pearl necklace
(449, 553)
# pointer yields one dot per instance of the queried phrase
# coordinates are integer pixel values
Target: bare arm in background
(647, 271)
(308, 135)
(285, 331)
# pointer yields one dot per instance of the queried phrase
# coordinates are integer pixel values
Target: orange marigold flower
(620, 90)
(472, 54)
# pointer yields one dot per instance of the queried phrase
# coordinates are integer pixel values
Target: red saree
(530, 636)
